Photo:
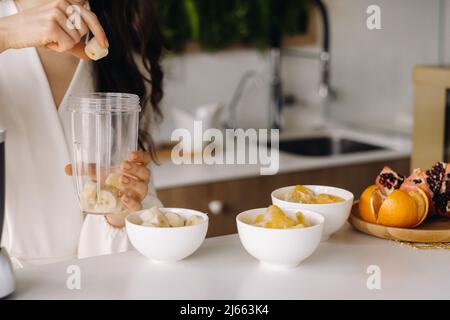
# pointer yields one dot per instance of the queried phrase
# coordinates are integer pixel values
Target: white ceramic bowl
(280, 248)
(166, 244)
(335, 214)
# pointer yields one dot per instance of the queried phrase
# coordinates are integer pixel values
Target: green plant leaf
(192, 14)
(217, 24)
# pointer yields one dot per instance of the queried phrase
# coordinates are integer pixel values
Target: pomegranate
(434, 182)
(435, 177)
(441, 202)
(418, 179)
(388, 180)
(446, 182)
(442, 199)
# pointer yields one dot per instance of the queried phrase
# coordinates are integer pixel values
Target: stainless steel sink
(323, 146)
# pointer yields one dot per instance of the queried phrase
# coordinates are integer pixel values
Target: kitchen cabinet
(224, 200)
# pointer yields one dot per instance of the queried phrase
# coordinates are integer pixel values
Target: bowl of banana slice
(167, 234)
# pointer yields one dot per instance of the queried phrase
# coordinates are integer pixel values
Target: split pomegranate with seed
(434, 182)
(418, 179)
(388, 180)
(435, 177)
(442, 199)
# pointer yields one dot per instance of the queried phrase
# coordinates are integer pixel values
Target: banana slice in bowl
(166, 244)
(154, 218)
(175, 220)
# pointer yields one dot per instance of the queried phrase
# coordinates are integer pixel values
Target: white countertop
(221, 269)
(169, 175)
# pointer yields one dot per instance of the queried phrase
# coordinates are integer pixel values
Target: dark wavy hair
(134, 33)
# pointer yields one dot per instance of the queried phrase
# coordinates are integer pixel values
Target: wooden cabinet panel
(243, 194)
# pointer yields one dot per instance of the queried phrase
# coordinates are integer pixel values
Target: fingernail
(125, 180)
(126, 166)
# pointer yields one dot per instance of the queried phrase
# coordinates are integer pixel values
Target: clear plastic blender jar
(104, 132)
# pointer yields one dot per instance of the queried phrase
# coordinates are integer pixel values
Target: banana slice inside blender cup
(105, 200)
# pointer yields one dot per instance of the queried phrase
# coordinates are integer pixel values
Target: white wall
(371, 70)
(196, 79)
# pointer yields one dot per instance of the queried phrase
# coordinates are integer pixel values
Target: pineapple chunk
(324, 198)
(301, 220)
(300, 194)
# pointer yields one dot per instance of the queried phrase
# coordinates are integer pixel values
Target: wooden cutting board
(433, 230)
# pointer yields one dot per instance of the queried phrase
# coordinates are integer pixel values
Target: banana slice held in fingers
(94, 50)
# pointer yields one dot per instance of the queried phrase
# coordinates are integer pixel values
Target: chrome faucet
(276, 54)
(324, 56)
(276, 84)
(232, 122)
(276, 93)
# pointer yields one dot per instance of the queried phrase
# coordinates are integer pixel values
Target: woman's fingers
(87, 21)
(88, 169)
(68, 170)
(94, 25)
(140, 157)
(133, 169)
(131, 204)
(66, 24)
(71, 10)
(78, 51)
(83, 169)
(133, 187)
(59, 41)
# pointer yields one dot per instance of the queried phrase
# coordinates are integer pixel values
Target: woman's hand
(134, 179)
(49, 26)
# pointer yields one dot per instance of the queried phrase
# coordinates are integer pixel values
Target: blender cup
(104, 132)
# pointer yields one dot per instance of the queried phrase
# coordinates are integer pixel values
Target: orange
(422, 205)
(399, 210)
(370, 203)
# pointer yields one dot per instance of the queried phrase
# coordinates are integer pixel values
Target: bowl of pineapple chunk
(280, 238)
(334, 204)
